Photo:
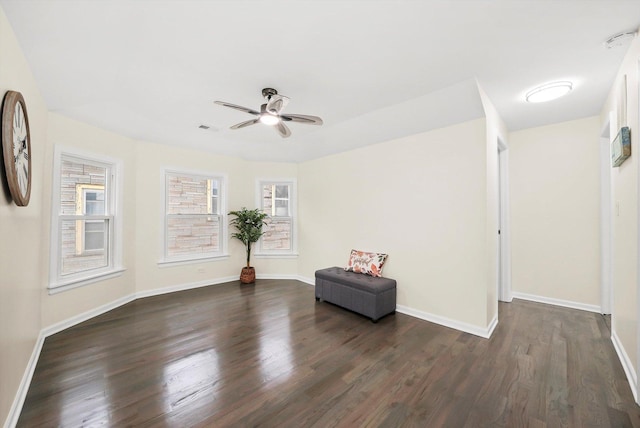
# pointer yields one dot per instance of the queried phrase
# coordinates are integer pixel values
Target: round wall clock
(16, 147)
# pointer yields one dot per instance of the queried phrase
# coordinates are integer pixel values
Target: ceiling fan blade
(245, 124)
(237, 107)
(302, 118)
(283, 130)
(276, 103)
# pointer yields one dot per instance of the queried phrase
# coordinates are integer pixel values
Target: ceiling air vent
(619, 39)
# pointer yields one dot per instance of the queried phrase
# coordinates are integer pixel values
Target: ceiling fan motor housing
(269, 92)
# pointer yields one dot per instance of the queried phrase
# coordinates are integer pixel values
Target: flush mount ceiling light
(548, 92)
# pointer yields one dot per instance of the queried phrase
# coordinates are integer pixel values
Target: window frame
(221, 198)
(113, 212)
(260, 252)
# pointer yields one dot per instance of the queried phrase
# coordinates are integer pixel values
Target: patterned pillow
(367, 263)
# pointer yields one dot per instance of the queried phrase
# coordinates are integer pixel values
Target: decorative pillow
(367, 263)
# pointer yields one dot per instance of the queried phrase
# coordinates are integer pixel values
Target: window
(277, 199)
(90, 201)
(195, 226)
(84, 225)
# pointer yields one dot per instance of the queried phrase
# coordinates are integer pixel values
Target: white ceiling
(373, 70)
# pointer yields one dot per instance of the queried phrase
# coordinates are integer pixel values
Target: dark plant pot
(248, 275)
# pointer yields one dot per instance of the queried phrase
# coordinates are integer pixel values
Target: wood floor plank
(268, 355)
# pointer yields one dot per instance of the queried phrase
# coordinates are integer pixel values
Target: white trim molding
(504, 264)
(185, 286)
(632, 377)
(23, 388)
(556, 302)
(306, 280)
(276, 276)
(448, 322)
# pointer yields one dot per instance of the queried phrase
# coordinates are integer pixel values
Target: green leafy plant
(249, 225)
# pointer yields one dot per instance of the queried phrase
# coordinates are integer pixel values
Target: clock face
(21, 149)
(16, 147)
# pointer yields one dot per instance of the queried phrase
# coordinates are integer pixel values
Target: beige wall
(422, 200)
(21, 247)
(77, 135)
(554, 174)
(625, 218)
(241, 178)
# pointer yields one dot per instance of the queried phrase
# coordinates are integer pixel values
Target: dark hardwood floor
(269, 355)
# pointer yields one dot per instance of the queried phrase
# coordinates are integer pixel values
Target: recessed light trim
(548, 92)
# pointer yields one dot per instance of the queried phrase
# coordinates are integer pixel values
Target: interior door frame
(606, 220)
(504, 244)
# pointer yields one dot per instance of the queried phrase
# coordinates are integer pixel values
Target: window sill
(178, 262)
(276, 255)
(70, 284)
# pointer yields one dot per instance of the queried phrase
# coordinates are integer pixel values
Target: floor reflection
(187, 378)
(276, 359)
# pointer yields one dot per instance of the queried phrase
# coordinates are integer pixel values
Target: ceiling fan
(270, 113)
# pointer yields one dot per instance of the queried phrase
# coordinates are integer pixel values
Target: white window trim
(58, 284)
(293, 206)
(163, 260)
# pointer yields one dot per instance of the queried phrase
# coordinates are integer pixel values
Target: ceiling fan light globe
(269, 119)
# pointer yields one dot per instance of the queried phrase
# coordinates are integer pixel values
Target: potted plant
(249, 225)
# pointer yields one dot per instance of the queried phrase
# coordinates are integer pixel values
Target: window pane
(267, 201)
(282, 208)
(282, 191)
(74, 177)
(214, 205)
(192, 235)
(94, 202)
(94, 235)
(277, 234)
(73, 249)
(187, 194)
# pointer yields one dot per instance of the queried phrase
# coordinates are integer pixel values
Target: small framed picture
(621, 147)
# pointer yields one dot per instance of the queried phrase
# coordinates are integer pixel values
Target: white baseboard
(306, 280)
(185, 286)
(77, 319)
(492, 326)
(276, 276)
(632, 377)
(21, 395)
(447, 322)
(557, 302)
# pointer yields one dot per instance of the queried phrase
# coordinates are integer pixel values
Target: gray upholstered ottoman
(370, 296)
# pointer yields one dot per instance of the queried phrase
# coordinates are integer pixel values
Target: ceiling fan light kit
(270, 113)
(269, 119)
